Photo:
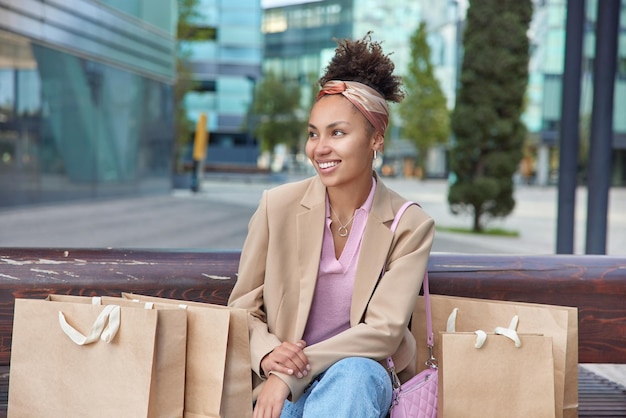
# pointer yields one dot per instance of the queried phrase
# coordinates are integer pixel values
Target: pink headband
(369, 102)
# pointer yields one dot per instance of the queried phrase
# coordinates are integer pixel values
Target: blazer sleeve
(384, 324)
(248, 290)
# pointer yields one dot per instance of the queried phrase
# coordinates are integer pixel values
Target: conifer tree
(423, 111)
(486, 119)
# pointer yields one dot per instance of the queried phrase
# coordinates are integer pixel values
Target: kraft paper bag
(498, 379)
(54, 377)
(218, 379)
(558, 322)
(168, 383)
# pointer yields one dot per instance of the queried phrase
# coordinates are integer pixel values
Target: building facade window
(222, 68)
(75, 128)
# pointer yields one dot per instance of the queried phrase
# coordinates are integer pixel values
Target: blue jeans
(354, 387)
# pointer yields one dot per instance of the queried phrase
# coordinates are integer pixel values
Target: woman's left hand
(287, 358)
(270, 402)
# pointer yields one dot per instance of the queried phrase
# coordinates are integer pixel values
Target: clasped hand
(289, 359)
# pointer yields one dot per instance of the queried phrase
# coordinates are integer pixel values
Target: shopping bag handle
(481, 336)
(105, 327)
(510, 332)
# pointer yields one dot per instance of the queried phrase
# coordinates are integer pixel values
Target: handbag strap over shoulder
(429, 320)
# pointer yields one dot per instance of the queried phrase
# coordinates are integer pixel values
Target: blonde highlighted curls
(363, 60)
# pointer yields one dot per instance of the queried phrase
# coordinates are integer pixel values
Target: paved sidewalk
(534, 217)
(217, 218)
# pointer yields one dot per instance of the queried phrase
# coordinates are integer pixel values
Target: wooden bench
(594, 284)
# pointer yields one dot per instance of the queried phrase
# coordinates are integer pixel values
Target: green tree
(276, 109)
(486, 119)
(426, 120)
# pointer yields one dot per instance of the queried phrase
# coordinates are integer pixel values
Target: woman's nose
(322, 147)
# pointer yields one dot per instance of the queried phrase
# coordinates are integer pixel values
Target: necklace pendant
(342, 231)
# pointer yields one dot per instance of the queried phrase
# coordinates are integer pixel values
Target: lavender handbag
(416, 398)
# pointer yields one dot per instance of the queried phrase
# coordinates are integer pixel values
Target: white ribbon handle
(110, 316)
(510, 332)
(451, 324)
(481, 336)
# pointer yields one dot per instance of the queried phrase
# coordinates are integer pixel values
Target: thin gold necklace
(343, 229)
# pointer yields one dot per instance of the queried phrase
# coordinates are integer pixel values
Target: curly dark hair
(363, 61)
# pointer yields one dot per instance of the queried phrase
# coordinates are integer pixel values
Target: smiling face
(341, 142)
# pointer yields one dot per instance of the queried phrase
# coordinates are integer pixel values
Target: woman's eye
(337, 132)
(312, 134)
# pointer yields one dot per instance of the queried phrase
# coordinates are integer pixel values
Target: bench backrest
(596, 285)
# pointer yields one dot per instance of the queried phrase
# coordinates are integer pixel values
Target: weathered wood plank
(594, 284)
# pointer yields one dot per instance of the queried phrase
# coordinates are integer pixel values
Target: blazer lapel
(310, 224)
(375, 247)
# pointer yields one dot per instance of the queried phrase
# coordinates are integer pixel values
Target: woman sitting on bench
(322, 320)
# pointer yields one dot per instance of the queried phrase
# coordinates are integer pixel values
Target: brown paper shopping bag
(168, 383)
(218, 379)
(497, 379)
(558, 322)
(109, 375)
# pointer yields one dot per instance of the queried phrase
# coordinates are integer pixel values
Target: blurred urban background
(107, 98)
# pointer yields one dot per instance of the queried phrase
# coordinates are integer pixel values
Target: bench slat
(594, 284)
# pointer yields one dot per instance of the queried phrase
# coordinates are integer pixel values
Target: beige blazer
(279, 266)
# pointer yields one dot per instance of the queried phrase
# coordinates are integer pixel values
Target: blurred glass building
(544, 94)
(85, 98)
(299, 36)
(298, 43)
(542, 116)
(225, 63)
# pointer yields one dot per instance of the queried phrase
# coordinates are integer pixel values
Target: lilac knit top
(330, 310)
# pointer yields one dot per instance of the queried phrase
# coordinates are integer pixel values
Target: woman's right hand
(272, 398)
(287, 358)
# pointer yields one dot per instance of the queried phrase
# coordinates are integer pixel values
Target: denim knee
(352, 387)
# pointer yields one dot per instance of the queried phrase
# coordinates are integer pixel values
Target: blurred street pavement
(216, 218)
